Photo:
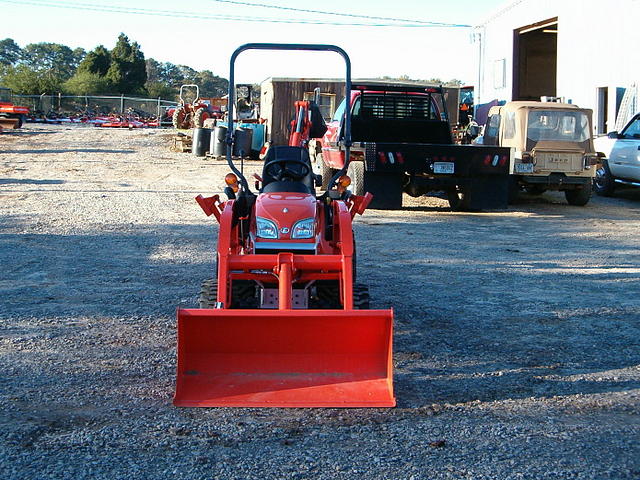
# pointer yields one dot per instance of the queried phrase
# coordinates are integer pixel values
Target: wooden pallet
(181, 143)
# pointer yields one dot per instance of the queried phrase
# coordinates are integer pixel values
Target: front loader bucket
(284, 358)
(9, 123)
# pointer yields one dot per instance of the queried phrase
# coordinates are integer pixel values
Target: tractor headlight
(304, 228)
(266, 228)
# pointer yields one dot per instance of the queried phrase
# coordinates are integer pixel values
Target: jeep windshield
(557, 126)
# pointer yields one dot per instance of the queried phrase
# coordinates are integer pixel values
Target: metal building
(586, 52)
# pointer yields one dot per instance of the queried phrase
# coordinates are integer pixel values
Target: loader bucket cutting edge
(284, 358)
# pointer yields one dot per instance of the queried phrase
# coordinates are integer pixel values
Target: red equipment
(11, 116)
(190, 115)
(308, 122)
(279, 327)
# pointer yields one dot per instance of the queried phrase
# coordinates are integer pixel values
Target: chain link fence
(57, 106)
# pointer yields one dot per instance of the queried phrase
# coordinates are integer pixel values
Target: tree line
(49, 68)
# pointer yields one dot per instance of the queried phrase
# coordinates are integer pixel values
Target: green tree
(157, 89)
(85, 83)
(27, 81)
(96, 61)
(54, 59)
(127, 71)
(10, 52)
(211, 85)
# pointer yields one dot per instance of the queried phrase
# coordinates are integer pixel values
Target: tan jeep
(553, 147)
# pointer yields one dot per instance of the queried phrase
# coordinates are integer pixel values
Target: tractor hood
(286, 210)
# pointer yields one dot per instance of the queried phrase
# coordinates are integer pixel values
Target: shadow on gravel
(486, 308)
(135, 271)
(498, 307)
(69, 150)
(30, 181)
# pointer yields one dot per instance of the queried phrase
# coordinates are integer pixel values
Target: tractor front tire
(361, 298)
(208, 293)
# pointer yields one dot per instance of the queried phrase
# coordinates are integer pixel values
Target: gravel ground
(517, 333)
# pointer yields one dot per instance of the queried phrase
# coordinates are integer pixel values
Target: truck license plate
(524, 167)
(443, 167)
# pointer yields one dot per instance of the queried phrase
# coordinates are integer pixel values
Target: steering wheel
(279, 169)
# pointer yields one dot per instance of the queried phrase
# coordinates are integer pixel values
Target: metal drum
(218, 145)
(200, 141)
(242, 142)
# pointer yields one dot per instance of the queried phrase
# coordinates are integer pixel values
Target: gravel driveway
(517, 333)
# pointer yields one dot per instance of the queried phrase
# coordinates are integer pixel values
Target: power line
(199, 16)
(351, 15)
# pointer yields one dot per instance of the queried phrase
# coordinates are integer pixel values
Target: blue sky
(419, 52)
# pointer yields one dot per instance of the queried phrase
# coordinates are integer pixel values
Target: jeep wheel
(579, 197)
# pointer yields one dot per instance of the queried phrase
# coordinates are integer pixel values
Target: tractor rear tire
(199, 117)
(178, 118)
(208, 293)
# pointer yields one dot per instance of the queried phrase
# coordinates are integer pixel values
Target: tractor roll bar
(288, 46)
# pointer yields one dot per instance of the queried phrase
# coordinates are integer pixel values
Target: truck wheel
(327, 173)
(208, 293)
(458, 200)
(604, 184)
(386, 188)
(514, 189)
(578, 197)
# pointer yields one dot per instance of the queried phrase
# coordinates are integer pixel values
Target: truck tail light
(503, 160)
(487, 160)
(382, 157)
(400, 158)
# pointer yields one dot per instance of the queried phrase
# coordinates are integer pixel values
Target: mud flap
(290, 358)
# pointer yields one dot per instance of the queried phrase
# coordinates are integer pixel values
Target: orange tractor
(284, 324)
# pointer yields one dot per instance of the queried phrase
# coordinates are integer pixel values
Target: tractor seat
(271, 185)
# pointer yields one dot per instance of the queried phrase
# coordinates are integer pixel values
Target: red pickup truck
(401, 142)
(11, 116)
